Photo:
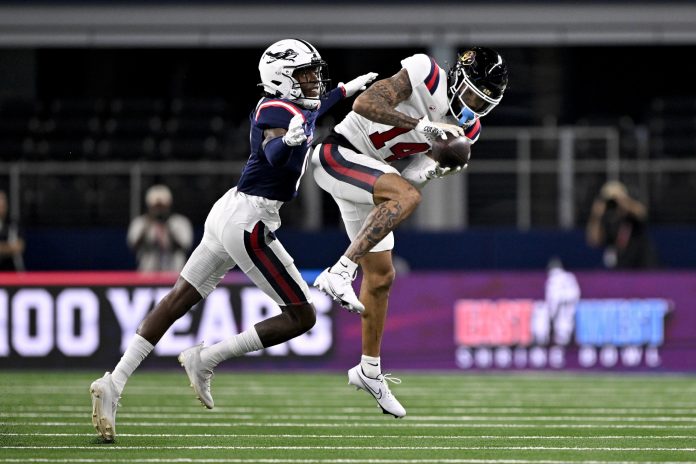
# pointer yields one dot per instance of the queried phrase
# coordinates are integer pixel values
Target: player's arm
(345, 90)
(279, 143)
(378, 102)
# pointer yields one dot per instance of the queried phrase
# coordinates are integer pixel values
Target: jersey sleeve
(275, 113)
(422, 70)
(473, 131)
(330, 99)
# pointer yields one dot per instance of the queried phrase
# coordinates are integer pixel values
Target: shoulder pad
(276, 113)
(422, 69)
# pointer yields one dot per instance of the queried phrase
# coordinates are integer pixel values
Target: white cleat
(199, 375)
(104, 404)
(340, 288)
(379, 389)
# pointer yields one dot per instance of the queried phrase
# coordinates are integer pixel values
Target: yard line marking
(428, 437)
(439, 402)
(350, 448)
(381, 424)
(336, 461)
(501, 409)
(265, 390)
(368, 416)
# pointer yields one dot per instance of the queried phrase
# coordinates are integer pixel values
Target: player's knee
(302, 318)
(379, 280)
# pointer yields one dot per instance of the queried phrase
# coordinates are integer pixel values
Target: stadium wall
(446, 320)
(474, 248)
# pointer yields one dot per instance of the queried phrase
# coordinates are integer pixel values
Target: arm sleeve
(330, 99)
(419, 66)
(277, 153)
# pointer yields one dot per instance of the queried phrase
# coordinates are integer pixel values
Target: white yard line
(366, 416)
(380, 424)
(330, 461)
(487, 392)
(351, 448)
(320, 410)
(370, 437)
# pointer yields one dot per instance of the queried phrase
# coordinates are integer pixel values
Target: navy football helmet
(476, 83)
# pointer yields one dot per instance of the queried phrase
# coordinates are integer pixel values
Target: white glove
(437, 172)
(438, 129)
(357, 84)
(295, 134)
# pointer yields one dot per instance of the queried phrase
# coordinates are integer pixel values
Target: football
(453, 152)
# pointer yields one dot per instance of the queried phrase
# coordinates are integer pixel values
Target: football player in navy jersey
(239, 230)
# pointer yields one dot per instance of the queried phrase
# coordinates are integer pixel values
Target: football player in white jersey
(395, 119)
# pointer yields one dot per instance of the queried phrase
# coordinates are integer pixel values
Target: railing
(447, 204)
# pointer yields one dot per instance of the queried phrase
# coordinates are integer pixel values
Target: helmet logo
(288, 54)
(467, 58)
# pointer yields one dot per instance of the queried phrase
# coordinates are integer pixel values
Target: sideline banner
(85, 320)
(460, 321)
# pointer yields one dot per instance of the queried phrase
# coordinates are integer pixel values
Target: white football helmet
(281, 60)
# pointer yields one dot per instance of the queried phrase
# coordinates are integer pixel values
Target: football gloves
(437, 129)
(350, 88)
(295, 135)
(438, 172)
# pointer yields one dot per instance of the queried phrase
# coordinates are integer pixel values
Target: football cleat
(104, 404)
(339, 286)
(379, 389)
(198, 374)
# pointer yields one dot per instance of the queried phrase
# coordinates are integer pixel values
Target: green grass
(316, 418)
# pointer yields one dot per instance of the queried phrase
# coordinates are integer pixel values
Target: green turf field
(316, 418)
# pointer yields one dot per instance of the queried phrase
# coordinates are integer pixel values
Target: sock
(137, 350)
(370, 366)
(232, 347)
(344, 265)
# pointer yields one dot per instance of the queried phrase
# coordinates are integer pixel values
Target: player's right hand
(438, 129)
(438, 172)
(295, 135)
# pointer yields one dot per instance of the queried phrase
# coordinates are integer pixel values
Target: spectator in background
(11, 244)
(161, 239)
(618, 223)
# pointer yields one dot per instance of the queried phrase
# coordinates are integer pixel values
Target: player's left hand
(295, 135)
(438, 172)
(359, 83)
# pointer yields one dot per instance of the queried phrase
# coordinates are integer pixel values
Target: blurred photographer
(161, 239)
(618, 223)
(11, 244)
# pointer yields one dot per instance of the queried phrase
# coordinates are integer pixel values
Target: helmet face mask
(293, 69)
(476, 83)
(309, 81)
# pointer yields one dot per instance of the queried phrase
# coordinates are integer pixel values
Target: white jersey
(428, 98)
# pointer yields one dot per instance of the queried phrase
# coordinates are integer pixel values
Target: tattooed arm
(378, 102)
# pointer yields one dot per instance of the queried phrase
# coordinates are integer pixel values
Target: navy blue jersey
(261, 179)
